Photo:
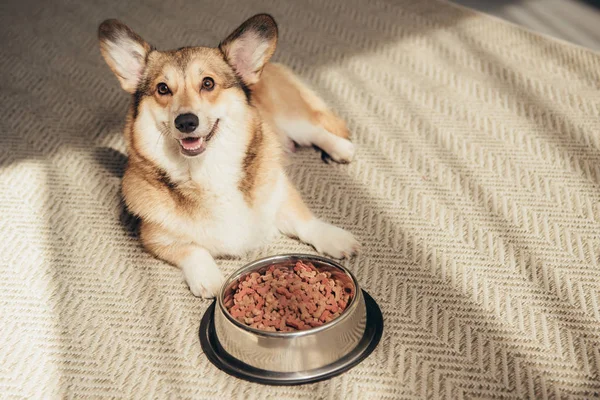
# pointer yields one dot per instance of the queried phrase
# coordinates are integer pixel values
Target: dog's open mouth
(192, 145)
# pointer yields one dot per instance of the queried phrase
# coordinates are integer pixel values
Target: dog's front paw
(333, 241)
(203, 275)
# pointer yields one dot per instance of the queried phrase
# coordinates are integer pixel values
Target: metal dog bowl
(291, 358)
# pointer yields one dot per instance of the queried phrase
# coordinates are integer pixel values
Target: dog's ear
(251, 46)
(124, 51)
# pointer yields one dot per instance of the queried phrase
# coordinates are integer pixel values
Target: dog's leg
(300, 114)
(199, 268)
(296, 220)
(307, 133)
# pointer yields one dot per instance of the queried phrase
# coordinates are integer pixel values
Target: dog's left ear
(124, 51)
(251, 46)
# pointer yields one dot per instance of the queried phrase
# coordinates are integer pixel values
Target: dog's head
(188, 93)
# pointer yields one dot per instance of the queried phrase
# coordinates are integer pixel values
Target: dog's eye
(163, 89)
(208, 84)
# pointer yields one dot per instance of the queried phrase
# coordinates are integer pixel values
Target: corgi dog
(206, 134)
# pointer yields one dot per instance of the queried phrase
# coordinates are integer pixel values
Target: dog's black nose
(186, 123)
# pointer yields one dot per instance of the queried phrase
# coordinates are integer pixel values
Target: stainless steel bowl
(292, 352)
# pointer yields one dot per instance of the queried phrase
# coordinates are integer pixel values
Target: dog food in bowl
(286, 299)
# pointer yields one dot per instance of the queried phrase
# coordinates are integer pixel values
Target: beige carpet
(475, 191)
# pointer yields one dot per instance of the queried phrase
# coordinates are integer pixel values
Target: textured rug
(475, 192)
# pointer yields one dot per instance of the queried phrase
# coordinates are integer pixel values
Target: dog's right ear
(124, 51)
(250, 47)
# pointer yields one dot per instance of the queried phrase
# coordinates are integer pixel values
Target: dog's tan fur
(280, 92)
(190, 205)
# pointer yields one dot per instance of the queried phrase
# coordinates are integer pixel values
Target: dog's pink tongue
(191, 143)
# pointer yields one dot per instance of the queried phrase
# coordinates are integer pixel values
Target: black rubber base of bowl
(225, 362)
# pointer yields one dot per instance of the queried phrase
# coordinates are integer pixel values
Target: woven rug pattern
(475, 193)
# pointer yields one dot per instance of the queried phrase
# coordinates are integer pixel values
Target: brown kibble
(288, 298)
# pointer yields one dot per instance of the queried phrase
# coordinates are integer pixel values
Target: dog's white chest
(231, 225)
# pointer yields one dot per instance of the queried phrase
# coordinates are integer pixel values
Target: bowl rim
(287, 335)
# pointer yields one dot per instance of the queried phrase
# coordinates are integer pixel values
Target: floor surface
(574, 21)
